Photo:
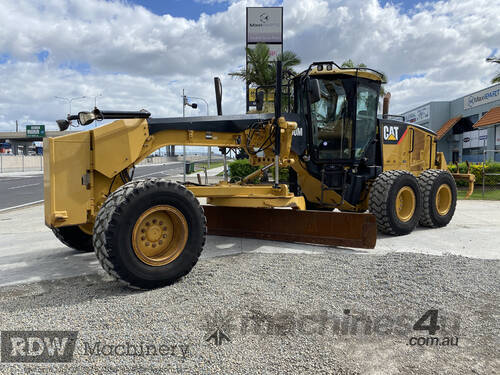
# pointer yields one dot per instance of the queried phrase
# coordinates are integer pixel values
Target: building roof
(491, 117)
(447, 126)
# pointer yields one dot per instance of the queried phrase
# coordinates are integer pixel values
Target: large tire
(439, 196)
(72, 236)
(396, 202)
(146, 214)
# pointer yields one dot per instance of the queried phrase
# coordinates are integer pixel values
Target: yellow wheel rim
(443, 199)
(159, 235)
(405, 204)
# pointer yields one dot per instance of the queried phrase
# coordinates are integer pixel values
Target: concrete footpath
(29, 252)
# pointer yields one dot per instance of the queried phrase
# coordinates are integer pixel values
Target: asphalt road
(26, 189)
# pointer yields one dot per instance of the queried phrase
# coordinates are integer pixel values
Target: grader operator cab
(150, 232)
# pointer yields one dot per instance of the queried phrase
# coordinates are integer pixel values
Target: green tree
(494, 59)
(261, 70)
(349, 64)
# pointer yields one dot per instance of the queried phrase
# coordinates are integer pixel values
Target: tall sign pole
(246, 66)
(184, 146)
(263, 25)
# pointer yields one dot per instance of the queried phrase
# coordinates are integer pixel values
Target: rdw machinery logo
(38, 346)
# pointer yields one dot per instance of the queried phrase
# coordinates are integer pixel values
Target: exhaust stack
(385, 105)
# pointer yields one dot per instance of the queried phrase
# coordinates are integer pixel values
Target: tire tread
(379, 196)
(107, 220)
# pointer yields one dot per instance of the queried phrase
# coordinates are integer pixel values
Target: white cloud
(138, 59)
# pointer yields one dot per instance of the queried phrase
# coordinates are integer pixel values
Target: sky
(139, 54)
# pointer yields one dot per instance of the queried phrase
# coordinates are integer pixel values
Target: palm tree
(350, 64)
(261, 70)
(494, 59)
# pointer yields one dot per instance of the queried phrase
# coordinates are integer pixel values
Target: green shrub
(241, 168)
(284, 172)
(477, 171)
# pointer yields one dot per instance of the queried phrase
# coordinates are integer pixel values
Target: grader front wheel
(149, 233)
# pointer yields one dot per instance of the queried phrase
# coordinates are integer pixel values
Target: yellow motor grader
(150, 232)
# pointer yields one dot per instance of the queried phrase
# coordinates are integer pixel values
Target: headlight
(86, 118)
(62, 124)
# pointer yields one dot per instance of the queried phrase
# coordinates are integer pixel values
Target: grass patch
(489, 194)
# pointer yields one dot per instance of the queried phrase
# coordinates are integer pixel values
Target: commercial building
(466, 126)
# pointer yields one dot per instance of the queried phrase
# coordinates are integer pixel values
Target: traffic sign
(35, 131)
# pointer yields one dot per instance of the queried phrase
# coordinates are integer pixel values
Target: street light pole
(69, 100)
(184, 99)
(95, 99)
(209, 147)
(185, 102)
(203, 100)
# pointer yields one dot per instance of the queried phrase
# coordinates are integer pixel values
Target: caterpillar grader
(343, 161)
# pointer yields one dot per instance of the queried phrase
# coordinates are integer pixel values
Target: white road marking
(150, 174)
(20, 206)
(2, 179)
(22, 186)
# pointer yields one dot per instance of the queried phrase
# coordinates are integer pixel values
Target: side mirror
(194, 105)
(259, 100)
(314, 90)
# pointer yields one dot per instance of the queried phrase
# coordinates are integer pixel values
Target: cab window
(332, 128)
(366, 117)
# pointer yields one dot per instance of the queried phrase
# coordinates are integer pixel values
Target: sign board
(274, 50)
(418, 115)
(482, 97)
(252, 92)
(35, 131)
(475, 138)
(264, 25)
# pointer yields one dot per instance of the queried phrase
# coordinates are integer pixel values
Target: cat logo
(393, 133)
(297, 132)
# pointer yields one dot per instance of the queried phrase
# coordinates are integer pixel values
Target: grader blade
(315, 227)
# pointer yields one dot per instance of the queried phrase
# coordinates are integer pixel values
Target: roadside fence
(22, 163)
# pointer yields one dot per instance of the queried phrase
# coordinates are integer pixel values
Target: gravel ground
(335, 314)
